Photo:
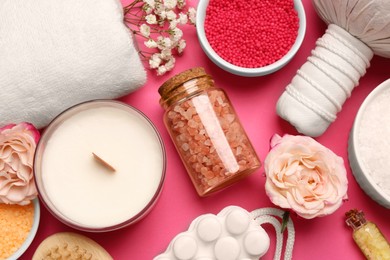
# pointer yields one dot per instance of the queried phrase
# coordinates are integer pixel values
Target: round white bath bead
(185, 247)
(209, 228)
(256, 242)
(237, 221)
(227, 248)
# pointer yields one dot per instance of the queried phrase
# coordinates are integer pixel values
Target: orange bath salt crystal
(206, 131)
(15, 224)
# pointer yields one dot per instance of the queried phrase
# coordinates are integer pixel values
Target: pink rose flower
(304, 176)
(17, 148)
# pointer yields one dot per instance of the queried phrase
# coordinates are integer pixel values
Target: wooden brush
(67, 245)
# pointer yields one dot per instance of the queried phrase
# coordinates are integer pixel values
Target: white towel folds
(57, 53)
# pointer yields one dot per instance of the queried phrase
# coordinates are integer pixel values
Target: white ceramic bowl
(31, 235)
(248, 72)
(361, 165)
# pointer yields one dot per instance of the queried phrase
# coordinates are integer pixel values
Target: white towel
(57, 53)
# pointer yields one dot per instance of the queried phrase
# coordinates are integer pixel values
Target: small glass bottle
(367, 236)
(206, 131)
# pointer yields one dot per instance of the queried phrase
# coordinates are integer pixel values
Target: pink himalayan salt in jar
(206, 131)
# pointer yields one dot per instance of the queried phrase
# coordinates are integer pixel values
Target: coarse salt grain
(15, 224)
(251, 33)
(197, 137)
(373, 144)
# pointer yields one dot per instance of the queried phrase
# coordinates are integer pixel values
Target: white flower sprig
(157, 22)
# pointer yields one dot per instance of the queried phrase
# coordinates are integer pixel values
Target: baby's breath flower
(164, 43)
(166, 54)
(159, 8)
(170, 63)
(151, 19)
(181, 4)
(145, 30)
(192, 15)
(157, 23)
(150, 43)
(176, 34)
(147, 9)
(171, 15)
(170, 4)
(161, 70)
(155, 61)
(173, 24)
(162, 14)
(150, 3)
(181, 46)
(183, 18)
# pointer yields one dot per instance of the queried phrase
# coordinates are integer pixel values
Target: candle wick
(103, 162)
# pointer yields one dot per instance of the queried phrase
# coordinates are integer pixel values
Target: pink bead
(251, 33)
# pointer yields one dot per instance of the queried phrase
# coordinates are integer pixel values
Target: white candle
(79, 188)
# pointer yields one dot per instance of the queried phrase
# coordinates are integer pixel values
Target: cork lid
(355, 218)
(179, 79)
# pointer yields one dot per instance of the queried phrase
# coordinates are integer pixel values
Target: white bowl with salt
(369, 145)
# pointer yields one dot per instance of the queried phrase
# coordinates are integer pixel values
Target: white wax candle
(83, 190)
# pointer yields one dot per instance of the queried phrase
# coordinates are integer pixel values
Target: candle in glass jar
(99, 165)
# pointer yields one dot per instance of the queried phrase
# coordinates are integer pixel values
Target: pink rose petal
(305, 176)
(17, 148)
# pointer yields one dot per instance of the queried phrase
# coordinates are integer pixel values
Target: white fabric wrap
(57, 53)
(367, 20)
(357, 29)
(321, 86)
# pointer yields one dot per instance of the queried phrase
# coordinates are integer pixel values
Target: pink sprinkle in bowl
(242, 71)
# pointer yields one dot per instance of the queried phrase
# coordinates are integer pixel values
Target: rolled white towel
(56, 53)
(321, 86)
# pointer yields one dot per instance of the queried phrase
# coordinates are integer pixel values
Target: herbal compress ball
(252, 33)
(356, 31)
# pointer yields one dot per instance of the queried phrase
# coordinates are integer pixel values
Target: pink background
(254, 99)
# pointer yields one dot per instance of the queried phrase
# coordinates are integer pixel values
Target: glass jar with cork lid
(206, 131)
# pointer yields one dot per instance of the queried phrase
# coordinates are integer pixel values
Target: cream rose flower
(17, 148)
(304, 176)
